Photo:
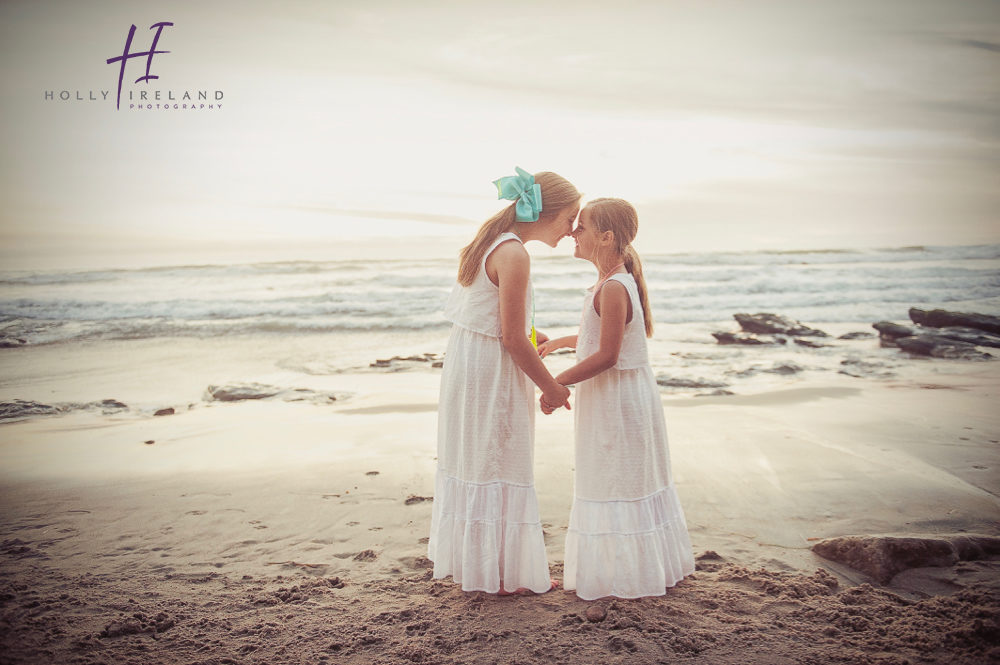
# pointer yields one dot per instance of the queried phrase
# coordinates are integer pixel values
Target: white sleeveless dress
(485, 525)
(627, 535)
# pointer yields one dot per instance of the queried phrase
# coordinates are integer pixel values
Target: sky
(374, 129)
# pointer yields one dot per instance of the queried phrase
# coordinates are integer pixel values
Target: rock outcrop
(884, 557)
(765, 323)
(681, 382)
(937, 346)
(889, 332)
(254, 391)
(939, 318)
(941, 334)
(748, 339)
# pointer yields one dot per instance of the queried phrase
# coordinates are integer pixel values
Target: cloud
(986, 46)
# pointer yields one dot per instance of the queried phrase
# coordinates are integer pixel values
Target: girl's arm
(547, 347)
(614, 304)
(512, 266)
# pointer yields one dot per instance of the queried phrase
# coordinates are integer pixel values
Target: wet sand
(273, 531)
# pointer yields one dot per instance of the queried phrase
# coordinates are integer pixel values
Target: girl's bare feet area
(524, 591)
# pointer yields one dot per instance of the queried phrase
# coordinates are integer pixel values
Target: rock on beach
(884, 557)
(889, 332)
(937, 346)
(942, 334)
(939, 318)
(748, 339)
(765, 323)
(766, 329)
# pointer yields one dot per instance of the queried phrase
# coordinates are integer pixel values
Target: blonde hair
(619, 217)
(557, 194)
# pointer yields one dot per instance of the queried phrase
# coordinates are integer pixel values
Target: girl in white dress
(485, 527)
(627, 535)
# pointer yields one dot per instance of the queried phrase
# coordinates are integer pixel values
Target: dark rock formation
(106, 406)
(784, 368)
(720, 392)
(809, 344)
(939, 318)
(856, 335)
(747, 339)
(936, 346)
(169, 411)
(889, 332)
(239, 393)
(883, 557)
(400, 363)
(679, 382)
(865, 369)
(19, 408)
(936, 339)
(969, 336)
(779, 368)
(772, 324)
(25, 409)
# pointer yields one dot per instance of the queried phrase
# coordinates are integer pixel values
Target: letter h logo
(123, 58)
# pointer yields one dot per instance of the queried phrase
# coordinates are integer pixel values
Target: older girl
(485, 527)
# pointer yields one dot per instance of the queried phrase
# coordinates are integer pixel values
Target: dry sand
(260, 532)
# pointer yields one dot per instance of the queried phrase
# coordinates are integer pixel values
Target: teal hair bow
(522, 188)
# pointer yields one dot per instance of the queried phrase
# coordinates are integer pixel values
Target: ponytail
(634, 266)
(472, 254)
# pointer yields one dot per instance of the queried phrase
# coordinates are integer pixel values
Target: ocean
(289, 298)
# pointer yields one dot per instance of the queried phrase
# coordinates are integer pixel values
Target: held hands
(550, 401)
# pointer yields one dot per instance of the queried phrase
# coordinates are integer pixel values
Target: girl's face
(588, 238)
(561, 226)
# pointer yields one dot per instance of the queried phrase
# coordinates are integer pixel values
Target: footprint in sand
(196, 512)
(257, 525)
(417, 562)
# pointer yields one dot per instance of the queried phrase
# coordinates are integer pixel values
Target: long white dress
(485, 525)
(627, 535)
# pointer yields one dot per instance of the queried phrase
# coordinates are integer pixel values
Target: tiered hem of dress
(627, 548)
(484, 532)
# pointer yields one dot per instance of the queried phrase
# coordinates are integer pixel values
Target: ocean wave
(293, 297)
(51, 332)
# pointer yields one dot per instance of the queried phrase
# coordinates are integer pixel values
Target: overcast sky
(374, 128)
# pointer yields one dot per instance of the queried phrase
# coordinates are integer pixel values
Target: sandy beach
(229, 235)
(293, 529)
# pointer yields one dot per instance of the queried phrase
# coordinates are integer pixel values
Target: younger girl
(627, 536)
(485, 527)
